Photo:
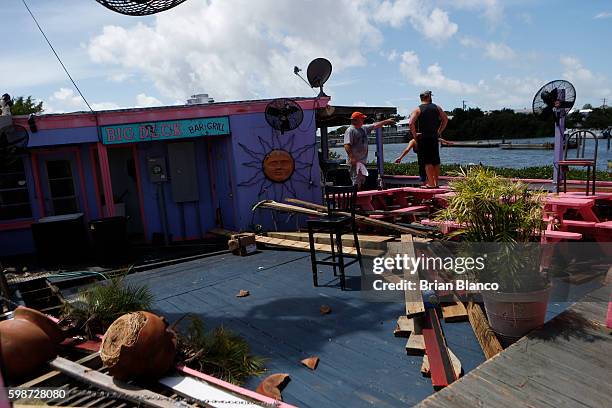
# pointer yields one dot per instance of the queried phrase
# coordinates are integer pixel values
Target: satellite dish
(318, 72)
(139, 7)
(557, 96)
(284, 114)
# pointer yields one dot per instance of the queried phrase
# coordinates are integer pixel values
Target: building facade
(176, 170)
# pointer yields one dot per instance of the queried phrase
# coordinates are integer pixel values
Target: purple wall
(52, 137)
(152, 213)
(252, 139)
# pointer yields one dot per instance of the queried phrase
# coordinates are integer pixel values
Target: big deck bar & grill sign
(165, 130)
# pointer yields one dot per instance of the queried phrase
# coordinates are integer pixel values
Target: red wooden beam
(442, 373)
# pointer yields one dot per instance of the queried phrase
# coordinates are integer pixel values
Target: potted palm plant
(502, 220)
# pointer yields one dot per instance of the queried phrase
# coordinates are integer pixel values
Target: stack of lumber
(298, 241)
(421, 325)
(317, 210)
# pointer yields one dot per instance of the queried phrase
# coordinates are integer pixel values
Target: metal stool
(340, 200)
(590, 164)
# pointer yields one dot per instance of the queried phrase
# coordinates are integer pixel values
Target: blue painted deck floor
(362, 364)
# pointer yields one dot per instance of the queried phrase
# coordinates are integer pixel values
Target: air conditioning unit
(199, 99)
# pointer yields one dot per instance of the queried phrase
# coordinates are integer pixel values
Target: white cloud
(66, 100)
(493, 50)
(239, 49)
(589, 86)
(434, 23)
(119, 77)
(432, 77)
(493, 10)
(499, 51)
(603, 14)
(145, 101)
(392, 56)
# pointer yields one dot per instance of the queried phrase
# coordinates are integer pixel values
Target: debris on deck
(563, 363)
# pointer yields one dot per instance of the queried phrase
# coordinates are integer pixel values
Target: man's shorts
(429, 149)
(357, 179)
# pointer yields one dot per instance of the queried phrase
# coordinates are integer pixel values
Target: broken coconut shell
(311, 362)
(272, 385)
(324, 309)
(26, 342)
(138, 345)
(243, 293)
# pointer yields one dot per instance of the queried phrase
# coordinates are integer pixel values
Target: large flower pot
(138, 345)
(512, 315)
(26, 342)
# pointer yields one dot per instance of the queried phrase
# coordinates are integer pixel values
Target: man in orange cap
(356, 145)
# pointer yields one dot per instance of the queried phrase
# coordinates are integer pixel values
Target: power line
(56, 56)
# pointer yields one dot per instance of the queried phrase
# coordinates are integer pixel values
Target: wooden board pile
(421, 325)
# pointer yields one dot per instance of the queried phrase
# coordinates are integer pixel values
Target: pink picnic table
(424, 193)
(560, 204)
(371, 200)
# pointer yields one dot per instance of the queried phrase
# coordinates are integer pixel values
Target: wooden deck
(566, 363)
(362, 364)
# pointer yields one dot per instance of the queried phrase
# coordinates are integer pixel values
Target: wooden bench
(555, 236)
(571, 202)
(412, 209)
(604, 225)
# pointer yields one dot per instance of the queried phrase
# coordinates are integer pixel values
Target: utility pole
(464, 105)
(604, 103)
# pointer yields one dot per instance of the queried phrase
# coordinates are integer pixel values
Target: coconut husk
(138, 345)
(122, 333)
(272, 386)
(311, 362)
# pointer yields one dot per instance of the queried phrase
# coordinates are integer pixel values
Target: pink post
(106, 180)
(609, 319)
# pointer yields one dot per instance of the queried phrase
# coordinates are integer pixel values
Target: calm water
(493, 156)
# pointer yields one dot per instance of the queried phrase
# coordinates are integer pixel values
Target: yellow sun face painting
(278, 165)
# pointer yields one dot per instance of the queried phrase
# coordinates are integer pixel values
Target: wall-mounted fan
(139, 7)
(556, 97)
(554, 101)
(13, 141)
(284, 114)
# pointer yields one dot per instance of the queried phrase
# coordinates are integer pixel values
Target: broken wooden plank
(305, 246)
(456, 363)
(426, 369)
(484, 333)
(415, 346)
(365, 241)
(362, 219)
(413, 298)
(404, 327)
(55, 373)
(454, 312)
(441, 368)
(106, 382)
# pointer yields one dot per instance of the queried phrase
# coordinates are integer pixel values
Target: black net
(139, 7)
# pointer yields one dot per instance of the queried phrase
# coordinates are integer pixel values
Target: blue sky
(490, 53)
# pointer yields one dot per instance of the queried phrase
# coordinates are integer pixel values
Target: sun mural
(279, 166)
